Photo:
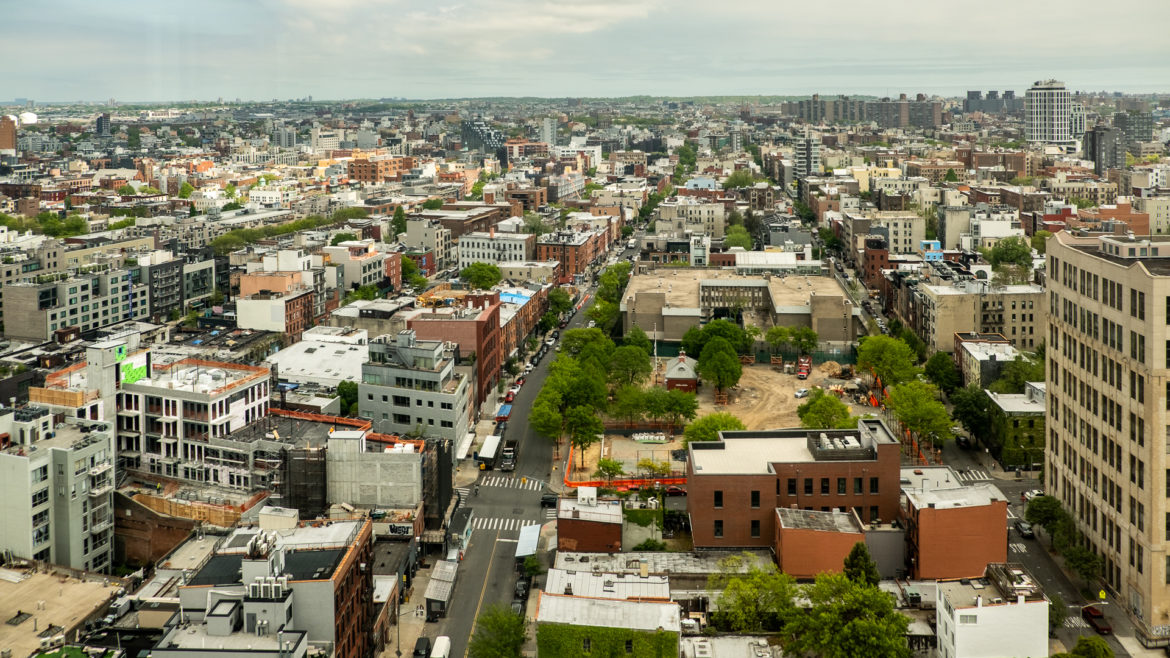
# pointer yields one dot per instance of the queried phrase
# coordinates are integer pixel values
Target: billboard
(133, 368)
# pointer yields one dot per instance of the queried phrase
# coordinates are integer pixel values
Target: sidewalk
(411, 624)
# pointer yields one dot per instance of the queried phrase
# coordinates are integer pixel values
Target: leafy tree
(708, 427)
(629, 403)
(778, 337)
(737, 236)
(348, 392)
(185, 190)
(739, 178)
(534, 224)
(891, 359)
(972, 407)
(1057, 611)
(686, 155)
(432, 204)
(734, 218)
(342, 237)
(499, 633)
(951, 176)
(635, 337)
(1085, 562)
(653, 467)
(651, 545)
(804, 339)
(481, 275)
(915, 406)
(398, 223)
(547, 322)
(941, 371)
(546, 419)
(1013, 250)
(232, 205)
(609, 468)
(1015, 373)
(1038, 240)
(845, 619)
(629, 365)
(125, 223)
(1087, 646)
(409, 267)
(1044, 511)
(126, 190)
(656, 404)
(229, 191)
(824, 411)
(758, 601)
(719, 363)
(559, 301)
(860, 567)
(1081, 203)
(695, 339)
(678, 406)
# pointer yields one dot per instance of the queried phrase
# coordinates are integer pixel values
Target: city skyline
(516, 48)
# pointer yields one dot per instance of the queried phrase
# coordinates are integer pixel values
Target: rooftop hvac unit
(254, 590)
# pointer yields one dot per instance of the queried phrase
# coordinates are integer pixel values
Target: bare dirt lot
(764, 399)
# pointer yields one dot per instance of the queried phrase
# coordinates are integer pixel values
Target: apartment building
(93, 297)
(1048, 113)
(379, 169)
(360, 259)
(289, 312)
(429, 235)
(575, 250)
(683, 214)
(413, 386)
(474, 325)
(286, 269)
(56, 489)
(977, 306)
(736, 484)
(495, 248)
(1004, 613)
(1109, 376)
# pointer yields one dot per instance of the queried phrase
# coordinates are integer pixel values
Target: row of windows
(842, 488)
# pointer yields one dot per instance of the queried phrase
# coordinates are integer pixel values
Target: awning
(526, 545)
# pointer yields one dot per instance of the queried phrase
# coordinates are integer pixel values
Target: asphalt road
(505, 503)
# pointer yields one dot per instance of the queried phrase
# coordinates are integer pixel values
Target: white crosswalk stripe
(524, 484)
(1011, 514)
(464, 493)
(1018, 548)
(503, 524)
(975, 475)
(550, 513)
(1075, 622)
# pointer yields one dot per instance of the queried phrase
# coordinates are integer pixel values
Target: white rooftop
(975, 495)
(604, 511)
(326, 362)
(608, 613)
(751, 455)
(603, 585)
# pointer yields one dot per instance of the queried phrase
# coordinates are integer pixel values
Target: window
(857, 486)
(755, 500)
(40, 498)
(718, 499)
(585, 645)
(824, 486)
(792, 482)
(874, 517)
(718, 527)
(808, 486)
(755, 528)
(841, 486)
(873, 485)
(968, 619)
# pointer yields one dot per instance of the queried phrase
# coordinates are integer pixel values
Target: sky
(132, 51)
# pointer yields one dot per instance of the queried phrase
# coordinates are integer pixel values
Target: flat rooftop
(706, 562)
(1000, 581)
(194, 637)
(1019, 403)
(753, 452)
(66, 604)
(605, 511)
(321, 362)
(975, 495)
(681, 285)
(610, 613)
(834, 521)
(606, 585)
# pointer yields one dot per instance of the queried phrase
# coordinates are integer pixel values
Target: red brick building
(393, 265)
(735, 484)
(475, 327)
(379, 169)
(955, 532)
(574, 250)
(810, 542)
(874, 259)
(589, 525)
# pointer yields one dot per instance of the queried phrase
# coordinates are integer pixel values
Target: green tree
(737, 236)
(695, 339)
(915, 405)
(860, 567)
(629, 403)
(971, 407)
(346, 214)
(708, 427)
(678, 406)
(628, 365)
(609, 468)
(845, 619)
(232, 205)
(889, 358)
(824, 411)
(546, 419)
(635, 337)
(941, 371)
(753, 602)
(499, 633)
(1024, 368)
(229, 191)
(1013, 250)
(1088, 646)
(126, 190)
(432, 204)
(719, 364)
(1038, 240)
(1081, 203)
(185, 190)
(686, 155)
(348, 392)
(1057, 611)
(734, 218)
(559, 301)
(951, 176)
(828, 238)
(804, 339)
(547, 322)
(398, 223)
(1044, 511)
(481, 275)
(739, 178)
(778, 338)
(583, 427)
(342, 237)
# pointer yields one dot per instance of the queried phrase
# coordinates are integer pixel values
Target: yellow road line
(487, 574)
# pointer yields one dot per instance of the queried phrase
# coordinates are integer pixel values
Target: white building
(496, 248)
(325, 357)
(1002, 615)
(361, 260)
(56, 489)
(1048, 113)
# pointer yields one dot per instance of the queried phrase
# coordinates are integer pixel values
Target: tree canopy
(846, 619)
(708, 427)
(822, 410)
(696, 338)
(1012, 250)
(972, 408)
(1039, 240)
(499, 633)
(891, 359)
(941, 371)
(342, 237)
(1024, 368)
(559, 301)
(481, 275)
(740, 178)
(719, 363)
(432, 204)
(737, 236)
(185, 190)
(629, 365)
(860, 567)
(1088, 646)
(916, 406)
(398, 223)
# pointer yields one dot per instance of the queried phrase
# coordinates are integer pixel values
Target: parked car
(509, 396)
(1034, 493)
(675, 490)
(556, 334)
(520, 382)
(517, 607)
(521, 590)
(1025, 529)
(549, 499)
(1095, 618)
(550, 341)
(963, 442)
(528, 368)
(802, 392)
(501, 427)
(422, 648)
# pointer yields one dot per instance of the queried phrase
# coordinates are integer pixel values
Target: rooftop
(681, 286)
(194, 637)
(606, 585)
(66, 603)
(834, 521)
(754, 452)
(974, 495)
(1030, 402)
(706, 562)
(605, 511)
(323, 362)
(609, 613)
(983, 351)
(1001, 584)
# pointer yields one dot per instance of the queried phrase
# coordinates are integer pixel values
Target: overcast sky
(150, 51)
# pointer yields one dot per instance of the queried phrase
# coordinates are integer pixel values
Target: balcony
(101, 488)
(98, 523)
(98, 469)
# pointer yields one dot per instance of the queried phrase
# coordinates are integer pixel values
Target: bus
(487, 453)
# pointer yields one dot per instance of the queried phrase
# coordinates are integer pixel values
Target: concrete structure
(980, 362)
(430, 235)
(76, 601)
(807, 159)
(1005, 613)
(666, 302)
(289, 313)
(88, 300)
(606, 585)
(324, 357)
(1017, 427)
(1124, 297)
(570, 626)
(364, 474)
(474, 325)
(361, 261)
(495, 248)
(1047, 113)
(307, 579)
(1014, 311)
(685, 213)
(576, 251)
(412, 386)
(56, 489)
(810, 542)
(1105, 146)
(734, 485)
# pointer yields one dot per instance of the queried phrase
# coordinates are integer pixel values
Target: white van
(442, 647)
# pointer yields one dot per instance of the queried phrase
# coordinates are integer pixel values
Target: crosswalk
(974, 475)
(464, 493)
(1073, 621)
(503, 524)
(524, 484)
(1018, 547)
(550, 513)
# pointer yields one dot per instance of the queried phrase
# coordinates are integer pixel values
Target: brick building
(735, 484)
(379, 169)
(952, 531)
(574, 250)
(476, 329)
(809, 542)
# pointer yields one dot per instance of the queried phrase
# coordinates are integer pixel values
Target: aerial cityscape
(493, 344)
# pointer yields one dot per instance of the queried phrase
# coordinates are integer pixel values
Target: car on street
(509, 396)
(1034, 493)
(1025, 529)
(550, 341)
(556, 334)
(801, 393)
(548, 499)
(675, 490)
(1096, 619)
(521, 590)
(963, 442)
(517, 607)
(520, 382)
(528, 368)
